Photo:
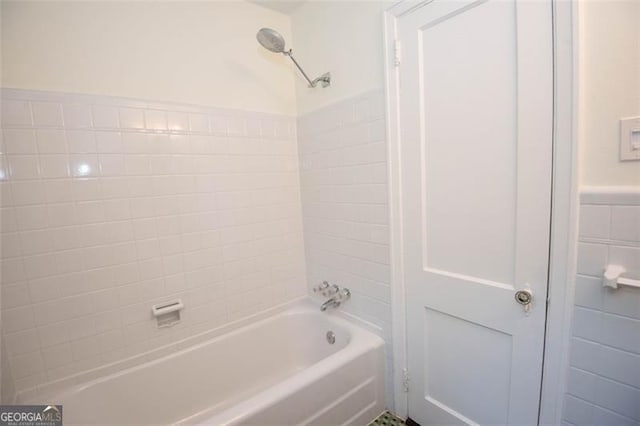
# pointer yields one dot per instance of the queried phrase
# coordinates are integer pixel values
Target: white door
(475, 120)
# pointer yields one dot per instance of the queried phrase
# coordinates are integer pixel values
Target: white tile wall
(7, 386)
(603, 385)
(343, 171)
(111, 205)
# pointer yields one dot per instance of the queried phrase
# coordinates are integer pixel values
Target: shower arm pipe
(325, 79)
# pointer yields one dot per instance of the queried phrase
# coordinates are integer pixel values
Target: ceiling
(284, 6)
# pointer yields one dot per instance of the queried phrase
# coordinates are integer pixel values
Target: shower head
(271, 40)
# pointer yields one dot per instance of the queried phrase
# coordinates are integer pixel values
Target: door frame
(564, 207)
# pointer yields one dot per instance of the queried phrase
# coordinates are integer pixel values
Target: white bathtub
(277, 371)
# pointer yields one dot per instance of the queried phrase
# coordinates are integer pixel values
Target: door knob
(524, 298)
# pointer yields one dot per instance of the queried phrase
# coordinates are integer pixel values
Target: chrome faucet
(339, 296)
(331, 303)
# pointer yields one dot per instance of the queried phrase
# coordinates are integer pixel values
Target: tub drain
(331, 337)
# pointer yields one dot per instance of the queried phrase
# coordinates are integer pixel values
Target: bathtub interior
(207, 377)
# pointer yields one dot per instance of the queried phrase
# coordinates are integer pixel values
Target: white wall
(7, 387)
(603, 386)
(342, 148)
(344, 38)
(110, 206)
(609, 88)
(201, 53)
(343, 184)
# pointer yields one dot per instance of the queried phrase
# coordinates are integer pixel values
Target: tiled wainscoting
(7, 385)
(604, 375)
(343, 172)
(111, 205)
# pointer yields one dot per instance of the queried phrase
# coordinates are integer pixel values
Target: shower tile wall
(603, 385)
(343, 178)
(7, 387)
(111, 205)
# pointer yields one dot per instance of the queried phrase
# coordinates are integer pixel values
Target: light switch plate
(630, 139)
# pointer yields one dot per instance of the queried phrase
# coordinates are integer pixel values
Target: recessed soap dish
(167, 314)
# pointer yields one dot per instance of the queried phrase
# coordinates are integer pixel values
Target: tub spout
(331, 303)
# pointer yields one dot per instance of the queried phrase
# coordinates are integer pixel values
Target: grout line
(607, 242)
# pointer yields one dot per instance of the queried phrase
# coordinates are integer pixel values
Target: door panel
(457, 364)
(475, 133)
(468, 154)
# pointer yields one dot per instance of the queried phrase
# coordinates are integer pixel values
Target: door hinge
(405, 380)
(397, 53)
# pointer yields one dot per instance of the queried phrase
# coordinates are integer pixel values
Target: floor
(387, 419)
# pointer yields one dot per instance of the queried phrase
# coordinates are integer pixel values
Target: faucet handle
(344, 294)
(331, 290)
(321, 287)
